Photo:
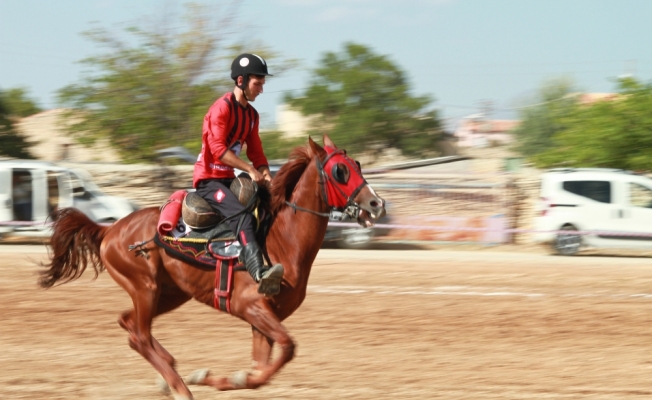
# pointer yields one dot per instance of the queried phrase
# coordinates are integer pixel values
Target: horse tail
(75, 244)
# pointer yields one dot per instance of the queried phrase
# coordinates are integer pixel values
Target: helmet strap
(245, 81)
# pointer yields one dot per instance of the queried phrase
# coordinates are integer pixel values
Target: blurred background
(454, 107)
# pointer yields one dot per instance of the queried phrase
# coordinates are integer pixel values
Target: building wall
(291, 122)
(478, 132)
(51, 143)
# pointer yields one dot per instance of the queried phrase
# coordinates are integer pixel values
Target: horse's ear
(317, 150)
(328, 142)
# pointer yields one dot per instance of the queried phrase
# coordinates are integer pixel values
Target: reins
(295, 207)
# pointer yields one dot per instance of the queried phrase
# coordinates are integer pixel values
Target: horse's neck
(299, 234)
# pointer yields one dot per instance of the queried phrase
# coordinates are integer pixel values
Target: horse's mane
(287, 177)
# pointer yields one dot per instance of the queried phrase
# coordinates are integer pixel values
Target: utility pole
(486, 110)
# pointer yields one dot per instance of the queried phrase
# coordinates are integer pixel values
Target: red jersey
(227, 126)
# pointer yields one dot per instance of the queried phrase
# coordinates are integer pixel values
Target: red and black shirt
(227, 126)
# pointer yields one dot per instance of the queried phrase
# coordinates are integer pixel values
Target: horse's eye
(340, 173)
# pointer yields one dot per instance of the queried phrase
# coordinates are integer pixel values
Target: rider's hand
(268, 179)
(257, 176)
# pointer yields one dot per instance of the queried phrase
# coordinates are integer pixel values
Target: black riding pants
(217, 193)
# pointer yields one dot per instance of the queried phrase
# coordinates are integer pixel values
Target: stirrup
(270, 282)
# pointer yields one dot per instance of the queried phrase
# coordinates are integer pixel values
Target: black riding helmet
(248, 64)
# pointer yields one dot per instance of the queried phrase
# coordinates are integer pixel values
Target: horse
(314, 181)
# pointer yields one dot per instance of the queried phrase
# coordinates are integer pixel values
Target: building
(50, 142)
(476, 131)
(291, 122)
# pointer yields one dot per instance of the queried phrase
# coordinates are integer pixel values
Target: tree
(539, 123)
(362, 101)
(18, 103)
(11, 143)
(615, 133)
(154, 94)
(277, 147)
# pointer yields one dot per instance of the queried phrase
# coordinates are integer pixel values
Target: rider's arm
(229, 158)
(256, 154)
(216, 128)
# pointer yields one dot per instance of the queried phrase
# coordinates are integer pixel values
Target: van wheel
(356, 238)
(567, 244)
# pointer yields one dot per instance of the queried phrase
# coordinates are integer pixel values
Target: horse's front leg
(261, 351)
(267, 331)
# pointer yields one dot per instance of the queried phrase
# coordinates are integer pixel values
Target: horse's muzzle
(372, 207)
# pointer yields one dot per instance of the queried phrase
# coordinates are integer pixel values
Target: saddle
(190, 230)
(187, 218)
(199, 215)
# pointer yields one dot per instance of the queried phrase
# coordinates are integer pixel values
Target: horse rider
(230, 123)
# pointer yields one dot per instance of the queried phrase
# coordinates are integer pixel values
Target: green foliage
(277, 147)
(11, 143)
(613, 133)
(541, 122)
(362, 101)
(155, 94)
(18, 104)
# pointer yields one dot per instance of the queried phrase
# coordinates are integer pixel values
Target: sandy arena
(399, 324)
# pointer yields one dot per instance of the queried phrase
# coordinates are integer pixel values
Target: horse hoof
(163, 385)
(197, 377)
(177, 396)
(239, 379)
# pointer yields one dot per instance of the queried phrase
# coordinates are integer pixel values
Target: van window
(22, 193)
(53, 192)
(594, 190)
(640, 196)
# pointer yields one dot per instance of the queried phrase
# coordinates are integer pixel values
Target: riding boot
(268, 279)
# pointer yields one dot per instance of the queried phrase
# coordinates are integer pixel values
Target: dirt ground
(375, 325)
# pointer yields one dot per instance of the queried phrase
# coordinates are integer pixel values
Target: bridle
(334, 185)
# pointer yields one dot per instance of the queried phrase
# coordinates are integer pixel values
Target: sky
(465, 54)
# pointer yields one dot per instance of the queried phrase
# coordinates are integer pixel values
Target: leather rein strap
(296, 208)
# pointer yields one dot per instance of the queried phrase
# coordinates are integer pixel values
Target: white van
(30, 190)
(605, 208)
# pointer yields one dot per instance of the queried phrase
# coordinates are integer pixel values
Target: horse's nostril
(378, 203)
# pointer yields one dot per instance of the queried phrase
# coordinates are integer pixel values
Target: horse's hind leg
(142, 341)
(145, 295)
(166, 304)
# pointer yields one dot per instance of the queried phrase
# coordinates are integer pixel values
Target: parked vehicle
(31, 190)
(91, 200)
(352, 237)
(615, 204)
(178, 153)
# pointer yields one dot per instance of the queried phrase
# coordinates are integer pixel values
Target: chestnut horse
(315, 180)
